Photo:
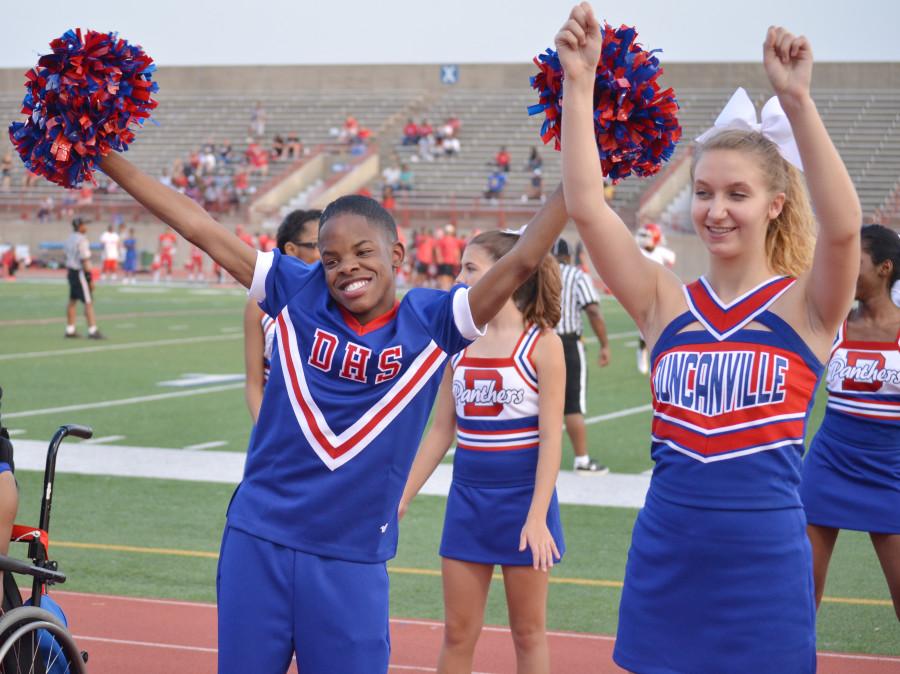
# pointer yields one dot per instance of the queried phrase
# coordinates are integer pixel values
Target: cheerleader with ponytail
(502, 402)
(851, 476)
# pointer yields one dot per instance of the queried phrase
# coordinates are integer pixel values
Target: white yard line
(620, 413)
(207, 445)
(117, 347)
(122, 401)
(105, 440)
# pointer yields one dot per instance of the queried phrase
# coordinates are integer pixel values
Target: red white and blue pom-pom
(636, 124)
(82, 100)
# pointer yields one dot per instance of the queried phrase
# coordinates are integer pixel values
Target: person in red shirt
(167, 242)
(410, 133)
(195, 264)
(425, 269)
(447, 256)
(502, 160)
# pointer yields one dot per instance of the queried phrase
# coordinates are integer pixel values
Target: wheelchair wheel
(34, 641)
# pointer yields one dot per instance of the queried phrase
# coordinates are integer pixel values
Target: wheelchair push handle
(78, 431)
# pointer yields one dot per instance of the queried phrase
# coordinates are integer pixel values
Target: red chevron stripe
(400, 399)
(723, 319)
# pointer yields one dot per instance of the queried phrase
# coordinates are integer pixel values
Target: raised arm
(631, 277)
(435, 445)
(788, 62)
(499, 282)
(185, 216)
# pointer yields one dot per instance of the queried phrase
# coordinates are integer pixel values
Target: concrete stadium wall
(264, 80)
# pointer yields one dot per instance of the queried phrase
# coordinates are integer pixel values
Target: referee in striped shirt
(578, 295)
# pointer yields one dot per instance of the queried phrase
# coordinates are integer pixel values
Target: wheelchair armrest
(26, 569)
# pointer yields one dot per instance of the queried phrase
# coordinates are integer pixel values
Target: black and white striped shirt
(577, 292)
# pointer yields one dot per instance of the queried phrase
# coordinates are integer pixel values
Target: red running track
(157, 636)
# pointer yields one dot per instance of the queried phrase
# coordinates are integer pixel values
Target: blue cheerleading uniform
(496, 458)
(719, 574)
(314, 518)
(851, 475)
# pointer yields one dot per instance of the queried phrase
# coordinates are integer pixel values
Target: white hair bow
(518, 232)
(740, 113)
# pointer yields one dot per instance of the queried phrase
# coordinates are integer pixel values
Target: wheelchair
(34, 638)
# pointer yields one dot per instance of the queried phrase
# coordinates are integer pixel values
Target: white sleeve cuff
(462, 315)
(264, 262)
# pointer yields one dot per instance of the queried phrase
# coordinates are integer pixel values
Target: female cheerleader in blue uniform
(851, 476)
(502, 400)
(719, 574)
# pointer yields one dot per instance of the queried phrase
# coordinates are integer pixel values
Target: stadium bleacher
(863, 123)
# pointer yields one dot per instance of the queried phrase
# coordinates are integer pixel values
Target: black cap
(560, 248)
(78, 222)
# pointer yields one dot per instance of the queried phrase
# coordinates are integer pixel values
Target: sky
(204, 32)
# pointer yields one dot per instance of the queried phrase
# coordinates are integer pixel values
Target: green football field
(168, 376)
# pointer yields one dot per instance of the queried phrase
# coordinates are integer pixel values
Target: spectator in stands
(501, 160)
(45, 211)
(242, 183)
(226, 153)
(451, 146)
(208, 159)
(410, 133)
(425, 128)
(391, 176)
(350, 130)
(495, 184)
(258, 120)
(258, 158)
(164, 177)
(6, 171)
(454, 123)
(293, 149)
(535, 189)
(277, 147)
(387, 198)
(406, 178)
(535, 161)
(426, 148)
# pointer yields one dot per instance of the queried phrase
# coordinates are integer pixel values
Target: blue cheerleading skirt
(851, 476)
(717, 592)
(487, 508)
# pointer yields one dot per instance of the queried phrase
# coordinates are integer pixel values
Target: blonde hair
(539, 298)
(791, 236)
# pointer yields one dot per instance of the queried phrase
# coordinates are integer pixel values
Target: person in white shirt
(110, 242)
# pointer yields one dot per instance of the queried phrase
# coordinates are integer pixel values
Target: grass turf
(106, 511)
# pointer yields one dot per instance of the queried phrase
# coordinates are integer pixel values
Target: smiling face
(360, 263)
(732, 203)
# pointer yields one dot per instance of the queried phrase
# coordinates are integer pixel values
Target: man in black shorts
(578, 295)
(78, 269)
